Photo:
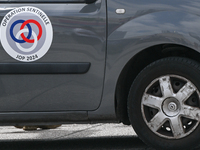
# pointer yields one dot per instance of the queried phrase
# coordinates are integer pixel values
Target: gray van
(90, 61)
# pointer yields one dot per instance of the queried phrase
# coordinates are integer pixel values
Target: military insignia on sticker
(26, 33)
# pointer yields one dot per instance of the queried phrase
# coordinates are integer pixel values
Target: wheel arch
(137, 63)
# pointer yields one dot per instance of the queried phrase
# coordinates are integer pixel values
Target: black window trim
(48, 1)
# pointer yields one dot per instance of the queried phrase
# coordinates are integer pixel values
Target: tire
(46, 127)
(164, 104)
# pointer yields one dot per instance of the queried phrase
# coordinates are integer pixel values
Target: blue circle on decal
(12, 28)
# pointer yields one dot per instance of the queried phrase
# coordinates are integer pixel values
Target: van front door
(52, 55)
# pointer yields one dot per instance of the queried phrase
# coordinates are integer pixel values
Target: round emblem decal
(26, 33)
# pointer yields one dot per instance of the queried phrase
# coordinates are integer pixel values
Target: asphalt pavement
(74, 136)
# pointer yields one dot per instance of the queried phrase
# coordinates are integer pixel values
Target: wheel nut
(172, 106)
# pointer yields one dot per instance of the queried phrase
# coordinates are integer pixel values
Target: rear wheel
(164, 104)
(49, 126)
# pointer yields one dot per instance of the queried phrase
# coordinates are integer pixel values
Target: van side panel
(143, 25)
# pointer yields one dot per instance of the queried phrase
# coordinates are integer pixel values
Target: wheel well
(137, 64)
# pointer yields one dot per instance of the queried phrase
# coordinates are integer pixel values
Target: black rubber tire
(184, 67)
(46, 127)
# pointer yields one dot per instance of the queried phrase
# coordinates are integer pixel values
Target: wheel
(30, 128)
(164, 104)
(49, 126)
(19, 127)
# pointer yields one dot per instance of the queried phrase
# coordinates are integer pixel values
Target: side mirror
(90, 1)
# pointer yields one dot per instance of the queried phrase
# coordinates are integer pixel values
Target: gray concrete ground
(75, 136)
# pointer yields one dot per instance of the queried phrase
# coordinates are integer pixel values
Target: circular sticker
(26, 33)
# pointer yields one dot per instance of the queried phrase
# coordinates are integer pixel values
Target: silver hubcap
(171, 107)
